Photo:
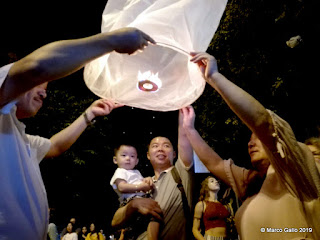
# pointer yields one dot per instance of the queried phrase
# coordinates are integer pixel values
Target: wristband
(85, 115)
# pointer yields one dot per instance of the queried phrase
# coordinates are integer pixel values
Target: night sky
(83, 190)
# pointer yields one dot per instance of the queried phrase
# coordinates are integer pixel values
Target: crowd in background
(73, 231)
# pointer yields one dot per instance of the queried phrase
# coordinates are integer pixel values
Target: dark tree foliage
(250, 46)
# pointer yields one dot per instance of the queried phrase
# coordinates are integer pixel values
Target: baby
(128, 182)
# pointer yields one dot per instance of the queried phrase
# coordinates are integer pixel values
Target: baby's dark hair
(118, 146)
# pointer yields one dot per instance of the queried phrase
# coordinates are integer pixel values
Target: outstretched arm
(63, 140)
(206, 154)
(301, 171)
(184, 146)
(61, 58)
(247, 108)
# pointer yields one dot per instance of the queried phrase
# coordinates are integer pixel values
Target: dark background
(251, 49)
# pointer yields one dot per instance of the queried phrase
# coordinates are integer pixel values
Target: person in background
(313, 144)
(209, 210)
(74, 226)
(52, 227)
(83, 233)
(104, 236)
(94, 234)
(22, 91)
(70, 234)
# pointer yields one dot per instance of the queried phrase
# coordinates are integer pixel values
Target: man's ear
(174, 154)
(148, 155)
(115, 160)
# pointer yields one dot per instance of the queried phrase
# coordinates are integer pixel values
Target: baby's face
(126, 157)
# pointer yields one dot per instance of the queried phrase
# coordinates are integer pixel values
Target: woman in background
(70, 235)
(94, 235)
(211, 212)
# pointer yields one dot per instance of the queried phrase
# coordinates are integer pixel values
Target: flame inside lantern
(149, 82)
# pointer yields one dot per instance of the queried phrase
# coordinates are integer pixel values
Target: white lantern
(160, 78)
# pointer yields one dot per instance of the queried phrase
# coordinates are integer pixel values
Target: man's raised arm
(61, 58)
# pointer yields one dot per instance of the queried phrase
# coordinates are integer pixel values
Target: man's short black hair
(163, 136)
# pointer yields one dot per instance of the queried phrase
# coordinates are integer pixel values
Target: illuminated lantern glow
(161, 78)
(148, 82)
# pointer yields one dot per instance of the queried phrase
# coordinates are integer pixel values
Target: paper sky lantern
(160, 78)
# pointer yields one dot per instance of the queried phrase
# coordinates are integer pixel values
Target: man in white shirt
(23, 201)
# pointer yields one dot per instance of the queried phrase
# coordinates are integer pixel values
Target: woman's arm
(289, 158)
(198, 210)
(247, 108)
(206, 154)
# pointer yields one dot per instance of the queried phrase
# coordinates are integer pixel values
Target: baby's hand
(148, 180)
(145, 187)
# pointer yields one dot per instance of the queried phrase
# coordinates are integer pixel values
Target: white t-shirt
(23, 201)
(131, 177)
(70, 236)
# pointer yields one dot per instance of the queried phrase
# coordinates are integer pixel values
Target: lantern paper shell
(169, 80)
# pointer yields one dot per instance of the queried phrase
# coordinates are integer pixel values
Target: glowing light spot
(149, 82)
